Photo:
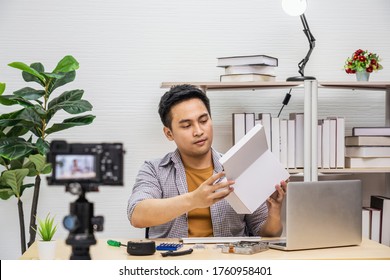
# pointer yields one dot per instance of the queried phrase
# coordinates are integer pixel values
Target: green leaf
(4, 161)
(54, 75)
(43, 146)
(76, 107)
(67, 64)
(12, 100)
(69, 77)
(71, 122)
(14, 179)
(17, 131)
(5, 192)
(72, 95)
(13, 148)
(56, 104)
(46, 228)
(24, 67)
(5, 100)
(17, 163)
(31, 169)
(31, 78)
(23, 187)
(2, 88)
(39, 161)
(47, 169)
(29, 93)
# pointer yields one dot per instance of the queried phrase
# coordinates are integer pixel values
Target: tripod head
(81, 222)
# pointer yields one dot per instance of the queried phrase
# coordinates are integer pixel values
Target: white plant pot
(47, 250)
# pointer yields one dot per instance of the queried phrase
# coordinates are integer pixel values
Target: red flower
(362, 61)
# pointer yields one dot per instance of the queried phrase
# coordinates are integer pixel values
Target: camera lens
(71, 222)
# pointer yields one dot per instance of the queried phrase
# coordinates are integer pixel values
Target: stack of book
(376, 220)
(331, 142)
(285, 137)
(250, 68)
(368, 147)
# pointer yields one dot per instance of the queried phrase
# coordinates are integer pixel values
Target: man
(180, 195)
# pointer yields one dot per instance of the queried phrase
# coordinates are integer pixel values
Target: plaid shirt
(164, 178)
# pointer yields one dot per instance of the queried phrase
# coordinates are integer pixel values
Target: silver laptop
(322, 214)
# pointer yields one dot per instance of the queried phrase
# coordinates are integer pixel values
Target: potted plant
(24, 132)
(362, 63)
(46, 245)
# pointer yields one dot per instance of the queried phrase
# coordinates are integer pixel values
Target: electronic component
(245, 247)
(169, 246)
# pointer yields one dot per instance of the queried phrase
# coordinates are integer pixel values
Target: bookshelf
(310, 169)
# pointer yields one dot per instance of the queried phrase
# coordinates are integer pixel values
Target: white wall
(127, 48)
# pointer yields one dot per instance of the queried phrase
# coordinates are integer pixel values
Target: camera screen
(68, 167)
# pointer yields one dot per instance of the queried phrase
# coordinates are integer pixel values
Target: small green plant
(46, 228)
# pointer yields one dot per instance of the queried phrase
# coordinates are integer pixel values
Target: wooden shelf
(382, 85)
(233, 85)
(344, 170)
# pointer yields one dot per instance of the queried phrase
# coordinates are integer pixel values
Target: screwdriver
(115, 243)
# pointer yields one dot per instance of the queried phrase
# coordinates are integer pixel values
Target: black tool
(177, 253)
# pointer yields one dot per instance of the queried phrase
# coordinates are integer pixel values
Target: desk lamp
(297, 8)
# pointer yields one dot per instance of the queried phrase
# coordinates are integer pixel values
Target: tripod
(81, 222)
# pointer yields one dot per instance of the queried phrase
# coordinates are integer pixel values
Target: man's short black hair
(178, 94)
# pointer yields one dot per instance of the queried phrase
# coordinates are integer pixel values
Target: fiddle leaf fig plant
(24, 132)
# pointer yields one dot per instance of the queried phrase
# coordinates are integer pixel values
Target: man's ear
(168, 133)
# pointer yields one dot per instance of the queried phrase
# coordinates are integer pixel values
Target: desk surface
(101, 251)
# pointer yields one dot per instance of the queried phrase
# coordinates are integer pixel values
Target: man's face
(192, 128)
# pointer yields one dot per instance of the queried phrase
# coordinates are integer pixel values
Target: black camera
(82, 168)
(86, 164)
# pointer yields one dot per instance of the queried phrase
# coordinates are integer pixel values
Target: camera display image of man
(180, 194)
(75, 166)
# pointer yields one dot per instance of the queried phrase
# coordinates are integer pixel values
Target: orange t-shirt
(199, 220)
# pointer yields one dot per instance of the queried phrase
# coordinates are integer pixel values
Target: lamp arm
(311, 39)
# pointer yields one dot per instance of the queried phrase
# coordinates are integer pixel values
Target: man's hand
(273, 224)
(277, 197)
(211, 191)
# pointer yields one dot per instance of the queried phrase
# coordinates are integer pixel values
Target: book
(374, 223)
(247, 60)
(319, 145)
(283, 143)
(366, 223)
(251, 77)
(291, 143)
(242, 123)
(358, 162)
(333, 142)
(265, 119)
(367, 141)
(249, 121)
(325, 145)
(371, 131)
(251, 69)
(238, 126)
(340, 142)
(275, 137)
(383, 203)
(254, 169)
(364, 151)
(299, 138)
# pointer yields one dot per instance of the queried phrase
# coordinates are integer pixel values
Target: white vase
(47, 249)
(362, 76)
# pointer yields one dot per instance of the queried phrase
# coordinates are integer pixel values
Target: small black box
(141, 248)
